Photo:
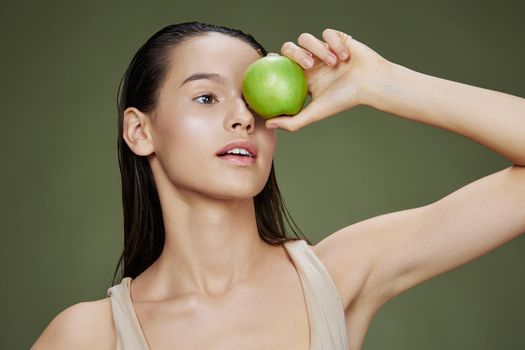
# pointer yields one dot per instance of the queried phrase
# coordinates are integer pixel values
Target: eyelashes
(210, 95)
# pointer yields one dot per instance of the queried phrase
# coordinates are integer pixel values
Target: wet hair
(143, 222)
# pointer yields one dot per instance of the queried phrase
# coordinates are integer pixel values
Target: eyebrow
(210, 76)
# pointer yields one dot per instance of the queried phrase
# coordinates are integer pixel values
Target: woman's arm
(405, 248)
(491, 118)
(374, 260)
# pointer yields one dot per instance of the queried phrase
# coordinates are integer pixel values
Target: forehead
(213, 53)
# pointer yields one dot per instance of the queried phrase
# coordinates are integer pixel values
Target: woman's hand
(340, 72)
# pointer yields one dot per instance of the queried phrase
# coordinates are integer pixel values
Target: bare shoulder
(86, 325)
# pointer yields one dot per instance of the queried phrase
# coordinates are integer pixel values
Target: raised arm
(491, 118)
(374, 260)
(408, 247)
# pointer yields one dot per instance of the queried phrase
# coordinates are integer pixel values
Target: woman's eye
(206, 98)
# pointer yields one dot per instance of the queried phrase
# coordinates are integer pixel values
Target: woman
(207, 264)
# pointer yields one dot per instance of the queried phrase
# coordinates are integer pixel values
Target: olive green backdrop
(61, 218)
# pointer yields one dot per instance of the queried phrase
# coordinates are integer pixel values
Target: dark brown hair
(143, 222)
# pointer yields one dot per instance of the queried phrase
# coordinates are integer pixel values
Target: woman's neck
(210, 247)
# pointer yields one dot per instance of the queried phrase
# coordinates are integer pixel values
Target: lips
(241, 143)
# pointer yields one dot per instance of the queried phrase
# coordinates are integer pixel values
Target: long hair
(143, 222)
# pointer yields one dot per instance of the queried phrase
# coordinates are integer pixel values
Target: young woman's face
(197, 116)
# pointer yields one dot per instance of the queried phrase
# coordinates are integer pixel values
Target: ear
(136, 131)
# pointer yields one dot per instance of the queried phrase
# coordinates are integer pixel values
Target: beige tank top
(323, 303)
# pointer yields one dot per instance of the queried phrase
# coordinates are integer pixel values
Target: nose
(242, 117)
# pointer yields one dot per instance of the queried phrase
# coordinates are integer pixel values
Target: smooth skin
(227, 290)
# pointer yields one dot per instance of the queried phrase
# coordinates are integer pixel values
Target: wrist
(375, 87)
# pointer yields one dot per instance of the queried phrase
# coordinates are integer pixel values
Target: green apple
(275, 85)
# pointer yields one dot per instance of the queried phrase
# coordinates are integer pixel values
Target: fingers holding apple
(277, 86)
(338, 42)
(317, 54)
(313, 50)
(276, 90)
(303, 57)
(327, 52)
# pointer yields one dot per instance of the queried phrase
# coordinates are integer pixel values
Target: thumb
(313, 112)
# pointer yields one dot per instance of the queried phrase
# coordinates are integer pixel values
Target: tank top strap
(129, 332)
(324, 305)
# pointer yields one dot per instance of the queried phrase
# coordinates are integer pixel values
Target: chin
(236, 191)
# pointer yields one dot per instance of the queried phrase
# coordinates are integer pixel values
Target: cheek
(182, 142)
(183, 134)
(193, 126)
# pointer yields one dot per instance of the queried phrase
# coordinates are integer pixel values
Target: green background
(61, 218)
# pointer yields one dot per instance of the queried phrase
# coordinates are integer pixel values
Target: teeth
(239, 151)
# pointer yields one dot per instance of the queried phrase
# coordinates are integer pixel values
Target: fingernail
(271, 126)
(308, 62)
(343, 55)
